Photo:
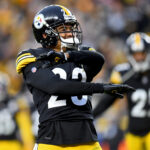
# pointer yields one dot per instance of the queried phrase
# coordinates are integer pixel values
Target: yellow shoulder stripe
(22, 56)
(116, 78)
(24, 60)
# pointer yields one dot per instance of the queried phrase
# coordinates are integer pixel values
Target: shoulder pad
(123, 67)
(87, 48)
(117, 75)
(24, 58)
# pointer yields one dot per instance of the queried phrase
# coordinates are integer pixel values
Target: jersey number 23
(53, 102)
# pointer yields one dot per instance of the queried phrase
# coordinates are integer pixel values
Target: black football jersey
(65, 112)
(139, 100)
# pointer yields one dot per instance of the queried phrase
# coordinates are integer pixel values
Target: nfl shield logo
(33, 69)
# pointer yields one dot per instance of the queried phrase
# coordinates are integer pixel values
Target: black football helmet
(50, 17)
(139, 42)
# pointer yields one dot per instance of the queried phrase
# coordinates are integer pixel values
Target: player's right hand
(117, 90)
(52, 56)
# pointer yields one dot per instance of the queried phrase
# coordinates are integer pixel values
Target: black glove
(53, 57)
(117, 90)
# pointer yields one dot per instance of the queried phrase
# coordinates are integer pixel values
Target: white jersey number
(53, 102)
(140, 97)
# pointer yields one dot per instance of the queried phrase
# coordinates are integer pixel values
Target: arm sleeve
(45, 80)
(104, 103)
(92, 61)
(86, 57)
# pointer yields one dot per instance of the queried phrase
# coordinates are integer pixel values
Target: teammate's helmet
(139, 42)
(50, 17)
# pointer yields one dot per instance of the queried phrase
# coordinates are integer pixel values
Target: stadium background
(105, 24)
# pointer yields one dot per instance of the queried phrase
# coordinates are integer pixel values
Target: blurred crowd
(105, 25)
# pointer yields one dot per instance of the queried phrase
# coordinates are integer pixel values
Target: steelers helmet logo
(39, 21)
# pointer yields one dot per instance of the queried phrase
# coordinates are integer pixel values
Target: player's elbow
(101, 59)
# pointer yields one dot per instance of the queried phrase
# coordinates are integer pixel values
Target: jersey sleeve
(45, 80)
(87, 57)
(23, 59)
(91, 60)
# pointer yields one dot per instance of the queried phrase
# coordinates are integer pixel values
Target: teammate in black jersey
(135, 73)
(58, 75)
(15, 122)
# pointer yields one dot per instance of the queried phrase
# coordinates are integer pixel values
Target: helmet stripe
(66, 10)
(137, 38)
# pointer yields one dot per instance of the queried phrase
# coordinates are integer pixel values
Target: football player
(15, 122)
(135, 73)
(58, 75)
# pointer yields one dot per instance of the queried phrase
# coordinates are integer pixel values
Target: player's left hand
(52, 56)
(117, 90)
